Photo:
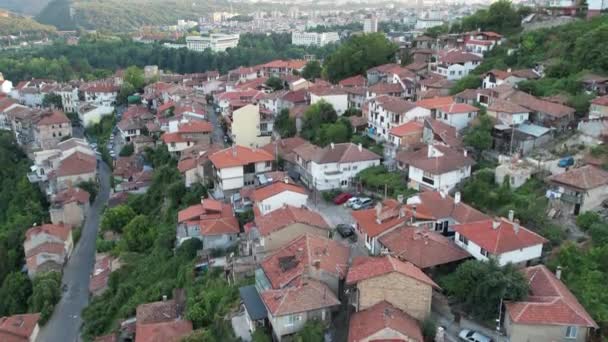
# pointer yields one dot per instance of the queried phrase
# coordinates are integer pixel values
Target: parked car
(565, 162)
(351, 201)
(341, 198)
(473, 336)
(345, 230)
(363, 203)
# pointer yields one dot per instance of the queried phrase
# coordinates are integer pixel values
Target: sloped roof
(370, 267)
(435, 102)
(364, 324)
(311, 295)
(449, 160)
(386, 88)
(53, 118)
(549, 302)
(442, 206)
(458, 108)
(501, 239)
(171, 331)
(503, 106)
(600, 101)
(394, 104)
(353, 81)
(195, 126)
(407, 128)
(72, 195)
(392, 214)
(239, 156)
(586, 177)
(18, 328)
(61, 231)
(288, 215)
(77, 163)
(276, 188)
(446, 133)
(344, 153)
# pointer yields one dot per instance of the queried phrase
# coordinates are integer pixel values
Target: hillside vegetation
(28, 7)
(14, 25)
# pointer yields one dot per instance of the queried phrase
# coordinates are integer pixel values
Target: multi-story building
(236, 166)
(370, 24)
(386, 112)
(51, 128)
(217, 42)
(314, 38)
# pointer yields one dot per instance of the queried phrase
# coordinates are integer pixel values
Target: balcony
(33, 177)
(572, 198)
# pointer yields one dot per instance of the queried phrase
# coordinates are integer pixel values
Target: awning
(253, 303)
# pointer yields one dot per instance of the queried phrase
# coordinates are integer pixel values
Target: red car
(341, 198)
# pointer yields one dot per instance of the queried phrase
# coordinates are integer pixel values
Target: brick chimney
(457, 197)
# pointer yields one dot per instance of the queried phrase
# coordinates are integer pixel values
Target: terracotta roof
(392, 214)
(503, 106)
(298, 110)
(358, 121)
(77, 163)
(53, 118)
(307, 151)
(212, 217)
(61, 231)
(444, 159)
(207, 207)
(49, 247)
(435, 81)
(18, 328)
(549, 302)
(370, 267)
(421, 247)
(5, 103)
(291, 64)
(435, 102)
(195, 126)
(288, 215)
(535, 104)
(385, 88)
(501, 239)
(135, 112)
(311, 295)
(71, 195)
(586, 177)
(327, 91)
(384, 68)
(600, 101)
(276, 188)
(106, 338)
(416, 66)
(442, 206)
(344, 153)
(239, 156)
(365, 324)
(459, 57)
(444, 132)
(296, 96)
(285, 147)
(353, 81)
(394, 104)
(306, 253)
(173, 331)
(411, 127)
(458, 108)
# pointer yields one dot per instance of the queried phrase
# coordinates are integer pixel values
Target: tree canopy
(285, 125)
(312, 70)
(501, 17)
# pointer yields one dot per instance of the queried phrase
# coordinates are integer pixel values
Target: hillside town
(413, 199)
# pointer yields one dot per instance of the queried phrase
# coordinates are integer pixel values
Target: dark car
(341, 198)
(345, 230)
(566, 162)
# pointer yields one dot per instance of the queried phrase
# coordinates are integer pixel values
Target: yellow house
(246, 127)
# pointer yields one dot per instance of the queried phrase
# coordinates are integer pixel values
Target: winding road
(64, 325)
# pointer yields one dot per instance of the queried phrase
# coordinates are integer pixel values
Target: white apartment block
(314, 38)
(217, 42)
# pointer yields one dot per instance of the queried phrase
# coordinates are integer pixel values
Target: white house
(334, 166)
(456, 64)
(494, 77)
(69, 98)
(500, 238)
(278, 194)
(5, 86)
(236, 166)
(457, 115)
(337, 97)
(90, 114)
(435, 167)
(386, 112)
(507, 112)
(103, 94)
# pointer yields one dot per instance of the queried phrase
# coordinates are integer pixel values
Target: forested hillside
(28, 7)
(15, 25)
(95, 57)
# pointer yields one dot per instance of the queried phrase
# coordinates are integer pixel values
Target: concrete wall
(277, 201)
(445, 182)
(283, 325)
(73, 180)
(71, 213)
(530, 333)
(48, 136)
(246, 127)
(514, 257)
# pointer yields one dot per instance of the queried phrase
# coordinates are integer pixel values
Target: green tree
(275, 83)
(357, 54)
(135, 76)
(46, 292)
(312, 70)
(312, 331)
(126, 90)
(338, 132)
(479, 287)
(91, 187)
(285, 125)
(115, 219)
(587, 219)
(52, 100)
(127, 150)
(467, 82)
(500, 17)
(480, 135)
(260, 335)
(315, 116)
(14, 293)
(138, 234)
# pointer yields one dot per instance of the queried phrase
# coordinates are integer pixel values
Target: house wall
(72, 213)
(48, 136)
(231, 178)
(222, 241)
(508, 118)
(338, 101)
(411, 296)
(458, 120)
(334, 176)
(387, 334)
(515, 257)
(528, 332)
(594, 197)
(246, 127)
(597, 111)
(282, 325)
(277, 201)
(407, 140)
(73, 180)
(281, 237)
(443, 182)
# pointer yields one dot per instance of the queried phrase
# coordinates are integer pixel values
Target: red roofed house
(353, 81)
(281, 67)
(50, 128)
(580, 189)
(211, 221)
(378, 279)
(278, 194)
(599, 107)
(383, 322)
(407, 135)
(436, 167)
(456, 64)
(336, 96)
(76, 168)
(69, 206)
(458, 115)
(481, 42)
(549, 313)
(19, 328)
(236, 167)
(494, 77)
(502, 239)
(188, 134)
(104, 265)
(100, 93)
(162, 321)
(387, 112)
(47, 247)
(275, 229)
(195, 165)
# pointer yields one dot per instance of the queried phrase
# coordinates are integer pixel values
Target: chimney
(457, 197)
(516, 226)
(429, 152)
(509, 70)
(234, 150)
(378, 212)
(400, 198)
(511, 215)
(465, 152)
(202, 199)
(558, 272)
(360, 147)
(164, 298)
(286, 180)
(496, 223)
(332, 145)
(401, 211)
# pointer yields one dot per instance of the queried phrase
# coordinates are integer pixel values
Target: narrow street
(65, 323)
(218, 133)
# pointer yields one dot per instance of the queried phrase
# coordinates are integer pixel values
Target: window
(470, 115)
(428, 178)
(344, 183)
(451, 72)
(571, 332)
(463, 239)
(484, 252)
(268, 164)
(292, 319)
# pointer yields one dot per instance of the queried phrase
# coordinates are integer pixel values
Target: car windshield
(470, 333)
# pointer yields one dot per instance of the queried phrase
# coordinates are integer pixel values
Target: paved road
(64, 325)
(218, 132)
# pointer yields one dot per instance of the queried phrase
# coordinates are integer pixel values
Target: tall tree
(135, 76)
(312, 70)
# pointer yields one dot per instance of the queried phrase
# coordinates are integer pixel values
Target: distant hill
(124, 15)
(11, 24)
(27, 7)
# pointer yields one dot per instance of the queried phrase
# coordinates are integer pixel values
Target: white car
(363, 203)
(473, 336)
(351, 201)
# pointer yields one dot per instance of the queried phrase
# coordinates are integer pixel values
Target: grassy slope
(16, 24)
(27, 7)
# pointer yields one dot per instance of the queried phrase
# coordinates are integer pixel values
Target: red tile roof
(435, 102)
(386, 88)
(53, 118)
(239, 156)
(443, 132)
(77, 163)
(421, 247)
(411, 127)
(586, 177)
(392, 214)
(364, 324)
(444, 159)
(213, 217)
(371, 267)
(18, 328)
(290, 64)
(311, 295)
(275, 188)
(173, 331)
(195, 126)
(503, 106)
(353, 81)
(458, 108)
(600, 101)
(459, 57)
(72, 195)
(442, 206)
(288, 215)
(549, 302)
(501, 239)
(303, 254)
(61, 231)
(394, 104)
